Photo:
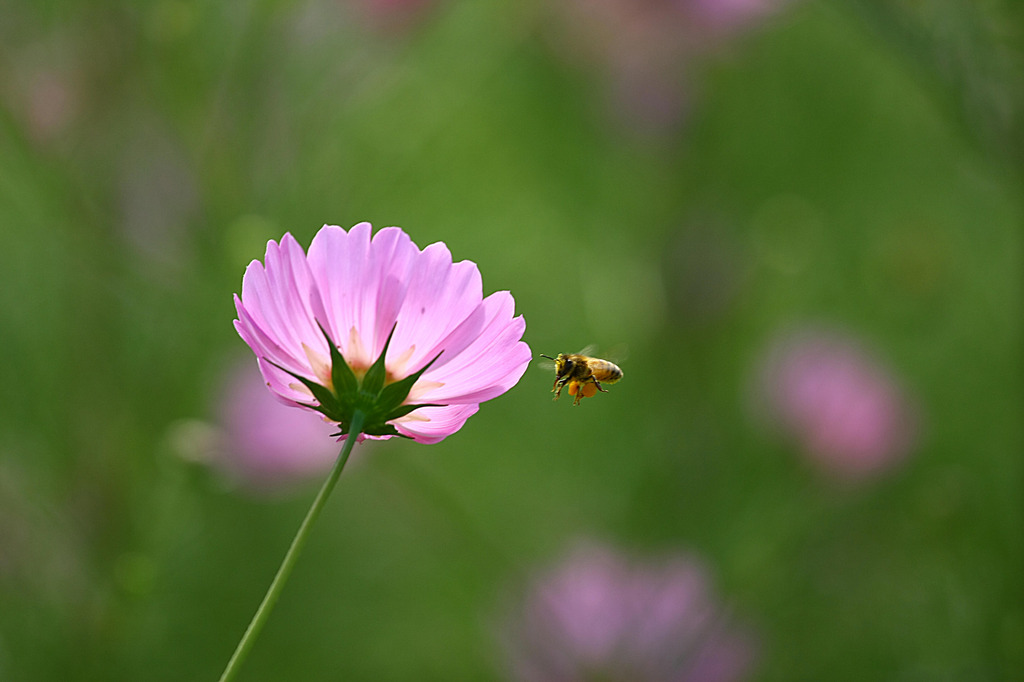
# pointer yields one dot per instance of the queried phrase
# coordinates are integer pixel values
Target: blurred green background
(857, 164)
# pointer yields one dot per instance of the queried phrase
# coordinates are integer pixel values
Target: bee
(583, 374)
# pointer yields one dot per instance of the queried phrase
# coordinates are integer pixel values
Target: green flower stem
(274, 591)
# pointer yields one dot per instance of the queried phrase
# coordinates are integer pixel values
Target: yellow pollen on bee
(586, 389)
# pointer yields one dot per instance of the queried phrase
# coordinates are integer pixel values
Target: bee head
(563, 364)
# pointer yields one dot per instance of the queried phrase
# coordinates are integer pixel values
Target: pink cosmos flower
(600, 615)
(380, 326)
(847, 413)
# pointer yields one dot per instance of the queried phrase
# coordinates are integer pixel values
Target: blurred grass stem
(274, 591)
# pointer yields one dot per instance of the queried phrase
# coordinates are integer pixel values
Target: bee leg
(598, 385)
(557, 388)
(576, 390)
(583, 389)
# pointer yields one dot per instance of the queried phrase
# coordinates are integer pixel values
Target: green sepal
(373, 381)
(330, 405)
(403, 410)
(379, 426)
(393, 394)
(379, 429)
(342, 376)
(379, 403)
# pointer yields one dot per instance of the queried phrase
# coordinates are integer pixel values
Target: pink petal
(441, 295)
(284, 386)
(443, 422)
(275, 310)
(484, 356)
(362, 285)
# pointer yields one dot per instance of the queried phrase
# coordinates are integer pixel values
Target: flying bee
(583, 374)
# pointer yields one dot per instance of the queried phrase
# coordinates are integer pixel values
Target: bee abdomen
(607, 372)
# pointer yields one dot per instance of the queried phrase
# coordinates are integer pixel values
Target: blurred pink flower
(53, 102)
(43, 86)
(726, 15)
(394, 14)
(356, 291)
(254, 440)
(599, 615)
(645, 47)
(843, 408)
(265, 442)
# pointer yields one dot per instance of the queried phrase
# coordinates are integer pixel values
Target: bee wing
(617, 353)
